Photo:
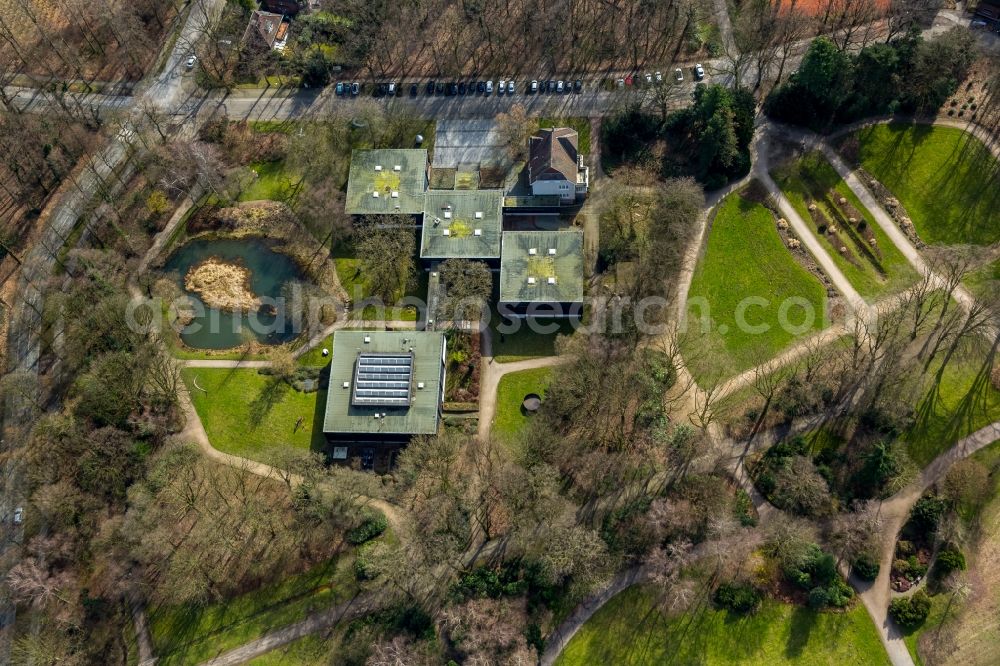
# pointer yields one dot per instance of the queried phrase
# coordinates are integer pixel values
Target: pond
(269, 273)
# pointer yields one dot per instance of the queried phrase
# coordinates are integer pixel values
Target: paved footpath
(804, 232)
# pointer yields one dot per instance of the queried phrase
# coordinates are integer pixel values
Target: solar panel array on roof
(382, 380)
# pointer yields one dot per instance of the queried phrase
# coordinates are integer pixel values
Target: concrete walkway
(561, 636)
(893, 513)
(805, 234)
(889, 225)
(343, 612)
(222, 363)
(492, 373)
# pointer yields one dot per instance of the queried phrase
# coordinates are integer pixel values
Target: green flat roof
(376, 171)
(472, 220)
(422, 414)
(528, 262)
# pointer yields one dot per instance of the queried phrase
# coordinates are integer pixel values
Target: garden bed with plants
(462, 383)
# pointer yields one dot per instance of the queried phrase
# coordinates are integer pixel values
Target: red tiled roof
(553, 155)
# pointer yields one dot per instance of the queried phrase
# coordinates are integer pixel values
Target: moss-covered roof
(542, 267)
(398, 177)
(463, 224)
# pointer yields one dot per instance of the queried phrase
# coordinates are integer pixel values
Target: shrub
(839, 593)
(743, 507)
(866, 567)
(818, 598)
(948, 560)
(490, 582)
(910, 612)
(926, 514)
(369, 562)
(368, 530)
(738, 597)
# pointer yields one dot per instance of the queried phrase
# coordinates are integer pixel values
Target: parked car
(489, 87)
(461, 87)
(18, 515)
(510, 87)
(559, 86)
(620, 83)
(533, 88)
(192, 59)
(430, 87)
(340, 88)
(678, 75)
(355, 88)
(699, 72)
(649, 79)
(452, 88)
(480, 87)
(380, 90)
(392, 88)
(658, 77)
(413, 90)
(439, 89)
(628, 80)
(502, 87)
(578, 86)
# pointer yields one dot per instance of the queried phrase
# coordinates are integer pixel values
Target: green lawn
(354, 282)
(192, 634)
(746, 258)
(251, 415)
(526, 343)
(983, 282)
(955, 415)
(944, 177)
(629, 630)
(314, 357)
(273, 182)
(314, 650)
(810, 178)
(509, 418)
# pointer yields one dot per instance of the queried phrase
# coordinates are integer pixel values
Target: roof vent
(552, 251)
(477, 232)
(479, 214)
(368, 339)
(375, 194)
(378, 167)
(552, 280)
(531, 280)
(420, 385)
(447, 215)
(397, 168)
(377, 415)
(395, 194)
(347, 384)
(446, 232)
(532, 251)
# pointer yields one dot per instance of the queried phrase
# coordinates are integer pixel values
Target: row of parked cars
(475, 87)
(653, 78)
(507, 86)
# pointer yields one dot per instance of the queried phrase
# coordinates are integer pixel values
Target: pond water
(270, 272)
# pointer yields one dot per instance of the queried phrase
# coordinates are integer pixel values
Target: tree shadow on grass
(273, 392)
(801, 625)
